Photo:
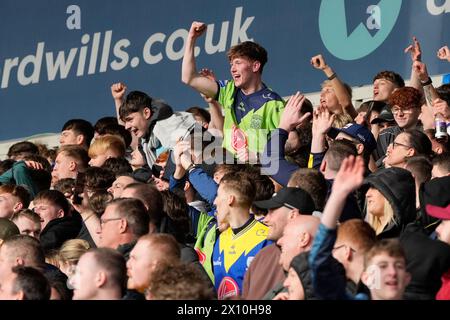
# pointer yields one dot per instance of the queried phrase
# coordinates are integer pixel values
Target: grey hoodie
(164, 129)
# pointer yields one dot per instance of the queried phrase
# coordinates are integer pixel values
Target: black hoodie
(57, 231)
(301, 266)
(398, 187)
(427, 260)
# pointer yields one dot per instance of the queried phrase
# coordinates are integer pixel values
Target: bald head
(306, 224)
(298, 236)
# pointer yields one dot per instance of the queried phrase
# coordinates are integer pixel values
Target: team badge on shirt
(228, 288)
(256, 122)
(238, 138)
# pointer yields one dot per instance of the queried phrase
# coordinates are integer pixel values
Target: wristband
(426, 83)
(332, 76)
(191, 167)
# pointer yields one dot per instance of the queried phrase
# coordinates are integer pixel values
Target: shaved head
(298, 236)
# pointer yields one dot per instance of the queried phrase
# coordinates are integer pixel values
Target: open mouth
(393, 284)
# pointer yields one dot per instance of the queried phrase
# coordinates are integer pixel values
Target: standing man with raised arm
(251, 109)
(118, 91)
(151, 121)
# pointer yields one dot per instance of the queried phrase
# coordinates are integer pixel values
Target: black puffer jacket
(398, 187)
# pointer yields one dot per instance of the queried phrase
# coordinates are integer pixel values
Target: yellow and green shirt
(248, 119)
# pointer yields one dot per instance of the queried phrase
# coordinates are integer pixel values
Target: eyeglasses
(394, 144)
(342, 246)
(396, 111)
(103, 221)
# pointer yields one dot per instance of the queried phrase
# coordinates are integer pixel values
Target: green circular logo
(354, 44)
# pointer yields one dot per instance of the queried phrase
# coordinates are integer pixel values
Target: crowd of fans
(257, 198)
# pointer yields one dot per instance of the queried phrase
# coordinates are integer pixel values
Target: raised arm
(328, 276)
(217, 118)
(215, 109)
(348, 179)
(345, 100)
(442, 107)
(90, 219)
(181, 156)
(273, 158)
(118, 91)
(292, 115)
(428, 90)
(444, 53)
(201, 182)
(416, 55)
(322, 123)
(189, 73)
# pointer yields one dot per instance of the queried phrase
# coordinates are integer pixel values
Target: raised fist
(197, 29)
(118, 90)
(318, 62)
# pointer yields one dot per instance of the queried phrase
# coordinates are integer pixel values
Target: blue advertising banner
(58, 58)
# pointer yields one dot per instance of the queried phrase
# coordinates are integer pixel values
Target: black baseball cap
(434, 196)
(384, 116)
(292, 198)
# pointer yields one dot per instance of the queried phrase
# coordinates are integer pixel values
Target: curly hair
(406, 98)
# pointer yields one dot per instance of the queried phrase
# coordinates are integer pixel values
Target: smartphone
(156, 170)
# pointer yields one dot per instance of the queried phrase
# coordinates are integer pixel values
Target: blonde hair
(107, 142)
(327, 83)
(342, 119)
(379, 223)
(72, 250)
